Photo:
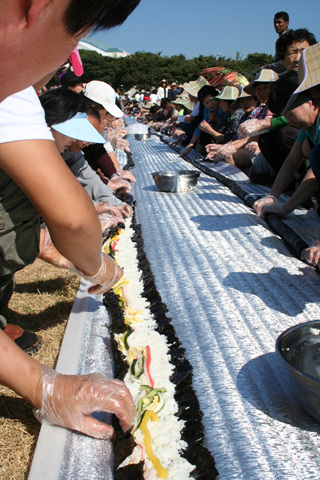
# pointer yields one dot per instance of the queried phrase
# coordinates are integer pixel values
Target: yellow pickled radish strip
(161, 471)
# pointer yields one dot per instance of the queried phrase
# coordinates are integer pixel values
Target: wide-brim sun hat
(184, 100)
(193, 87)
(228, 93)
(308, 73)
(79, 128)
(236, 104)
(266, 75)
(104, 94)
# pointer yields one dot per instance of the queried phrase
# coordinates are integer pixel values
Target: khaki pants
(19, 231)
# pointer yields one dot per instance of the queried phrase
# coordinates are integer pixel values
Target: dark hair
(207, 90)
(282, 15)
(69, 79)
(60, 105)
(154, 109)
(98, 14)
(281, 91)
(92, 111)
(87, 101)
(299, 35)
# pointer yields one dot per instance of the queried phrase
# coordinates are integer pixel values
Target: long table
(231, 287)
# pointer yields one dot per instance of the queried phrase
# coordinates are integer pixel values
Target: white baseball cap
(104, 94)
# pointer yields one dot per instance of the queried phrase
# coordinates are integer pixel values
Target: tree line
(144, 70)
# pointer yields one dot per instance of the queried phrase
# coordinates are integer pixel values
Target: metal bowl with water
(176, 181)
(299, 349)
(142, 137)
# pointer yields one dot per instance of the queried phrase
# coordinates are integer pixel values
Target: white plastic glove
(125, 209)
(48, 252)
(69, 401)
(251, 128)
(108, 274)
(267, 200)
(117, 182)
(275, 208)
(252, 148)
(213, 150)
(227, 150)
(106, 207)
(126, 175)
(108, 221)
(311, 255)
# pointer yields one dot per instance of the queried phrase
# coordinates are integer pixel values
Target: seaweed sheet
(188, 405)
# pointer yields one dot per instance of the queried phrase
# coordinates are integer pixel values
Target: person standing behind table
(49, 31)
(154, 97)
(173, 91)
(162, 91)
(281, 24)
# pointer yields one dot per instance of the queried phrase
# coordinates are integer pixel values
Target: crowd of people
(70, 137)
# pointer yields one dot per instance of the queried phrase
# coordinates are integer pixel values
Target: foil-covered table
(231, 287)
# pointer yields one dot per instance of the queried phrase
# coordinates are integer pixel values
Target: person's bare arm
(38, 169)
(114, 159)
(288, 170)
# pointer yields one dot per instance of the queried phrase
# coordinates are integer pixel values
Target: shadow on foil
(266, 385)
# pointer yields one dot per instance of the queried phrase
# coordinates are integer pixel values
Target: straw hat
(194, 87)
(184, 100)
(266, 75)
(228, 93)
(236, 104)
(309, 75)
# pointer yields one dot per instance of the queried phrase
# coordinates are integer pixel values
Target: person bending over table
(36, 38)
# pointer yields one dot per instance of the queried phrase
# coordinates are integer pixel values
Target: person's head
(227, 96)
(37, 37)
(281, 22)
(303, 113)
(309, 76)
(245, 101)
(260, 87)
(281, 90)
(72, 82)
(103, 97)
(64, 114)
(290, 46)
(163, 83)
(207, 95)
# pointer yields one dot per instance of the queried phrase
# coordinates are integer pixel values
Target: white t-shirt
(22, 118)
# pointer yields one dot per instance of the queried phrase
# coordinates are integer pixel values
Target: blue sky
(203, 27)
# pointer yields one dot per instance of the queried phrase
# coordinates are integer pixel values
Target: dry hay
(41, 303)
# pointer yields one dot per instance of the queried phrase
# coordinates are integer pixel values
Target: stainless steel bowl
(142, 137)
(299, 349)
(176, 181)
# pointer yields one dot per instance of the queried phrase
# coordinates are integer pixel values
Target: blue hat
(79, 128)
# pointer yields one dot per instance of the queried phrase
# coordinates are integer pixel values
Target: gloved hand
(69, 401)
(227, 150)
(116, 139)
(275, 208)
(213, 149)
(125, 210)
(108, 274)
(252, 148)
(126, 175)
(117, 182)
(267, 200)
(104, 207)
(108, 220)
(311, 255)
(251, 128)
(48, 252)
